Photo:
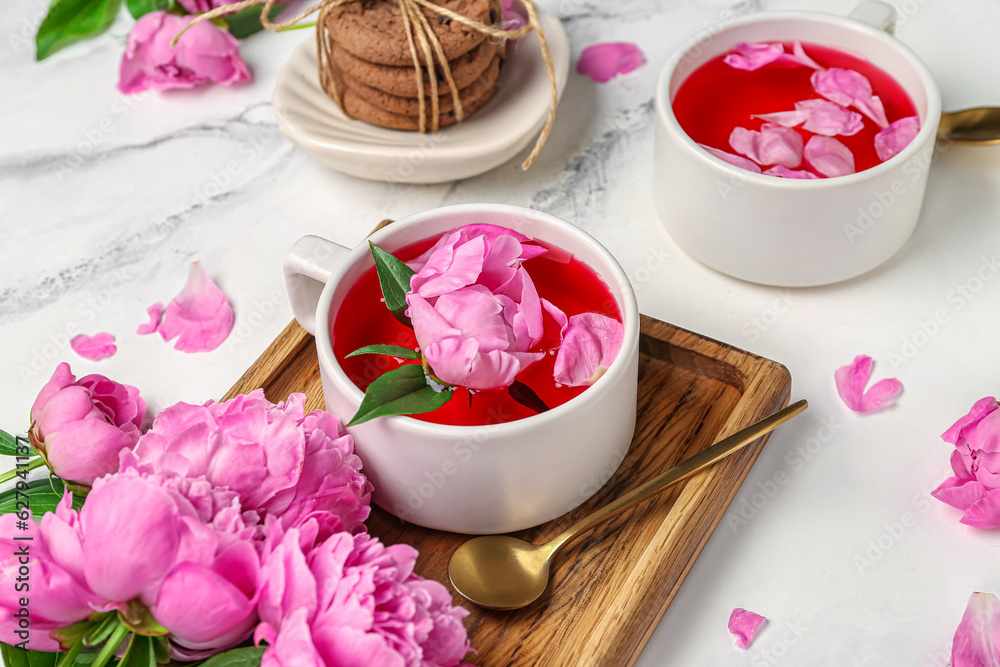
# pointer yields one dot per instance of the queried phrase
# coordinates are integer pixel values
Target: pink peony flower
(95, 348)
(206, 53)
(200, 316)
(590, 343)
(975, 486)
(280, 461)
(773, 144)
(80, 426)
(351, 601)
(977, 637)
(735, 160)
(603, 62)
(178, 547)
(851, 382)
(468, 337)
(744, 624)
(474, 308)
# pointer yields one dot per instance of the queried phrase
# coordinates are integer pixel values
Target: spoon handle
(679, 472)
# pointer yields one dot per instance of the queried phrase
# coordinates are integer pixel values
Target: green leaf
(15, 445)
(140, 620)
(42, 495)
(101, 631)
(394, 277)
(69, 21)
(42, 659)
(403, 391)
(238, 657)
(139, 653)
(245, 23)
(391, 350)
(13, 656)
(138, 8)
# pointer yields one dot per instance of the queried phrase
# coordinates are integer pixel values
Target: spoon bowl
(503, 572)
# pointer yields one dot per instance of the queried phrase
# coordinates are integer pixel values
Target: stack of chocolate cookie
(372, 63)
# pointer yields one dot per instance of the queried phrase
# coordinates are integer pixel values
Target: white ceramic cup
(782, 231)
(475, 479)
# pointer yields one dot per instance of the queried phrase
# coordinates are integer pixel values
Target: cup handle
(308, 266)
(877, 14)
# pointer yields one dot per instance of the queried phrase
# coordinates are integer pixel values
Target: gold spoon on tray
(979, 126)
(503, 572)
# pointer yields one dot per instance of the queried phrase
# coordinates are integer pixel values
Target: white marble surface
(104, 201)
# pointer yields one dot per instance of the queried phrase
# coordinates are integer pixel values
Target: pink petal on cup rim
(784, 172)
(735, 160)
(200, 316)
(603, 62)
(828, 156)
(744, 624)
(897, 136)
(96, 347)
(852, 379)
(977, 638)
(154, 312)
(850, 89)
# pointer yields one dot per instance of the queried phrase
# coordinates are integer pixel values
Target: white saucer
(495, 134)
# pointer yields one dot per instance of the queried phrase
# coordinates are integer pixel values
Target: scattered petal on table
(99, 346)
(852, 380)
(896, 137)
(744, 625)
(200, 316)
(155, 312)
(735, 160)
(828, 156)
(977, 638)
(603, 62)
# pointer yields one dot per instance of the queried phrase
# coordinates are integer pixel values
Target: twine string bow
(421, 39)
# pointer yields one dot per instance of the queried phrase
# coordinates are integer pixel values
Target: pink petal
(785, 172)
(985, 513)
(828, 156)
(799, 56)
(744, 625)
(977, 638)
(603, 62)
(819, 117)
(590, 343)
(99, 346)
(850, 89)
(959, 432)
(735, 160)
(960, 493)
(851, 382)
(155, 312)
(450, 267)
(200, 315)
(896, 137)
(751, 56)
(773, 144)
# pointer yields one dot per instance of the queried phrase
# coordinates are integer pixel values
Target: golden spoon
(979, 126)
(503, 572)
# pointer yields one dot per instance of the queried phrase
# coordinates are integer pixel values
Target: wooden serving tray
(611, 587)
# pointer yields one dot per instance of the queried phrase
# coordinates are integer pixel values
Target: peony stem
(11, 474)
(108, 650)
(297, 26)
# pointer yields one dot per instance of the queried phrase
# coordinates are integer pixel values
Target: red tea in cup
(558, 277)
